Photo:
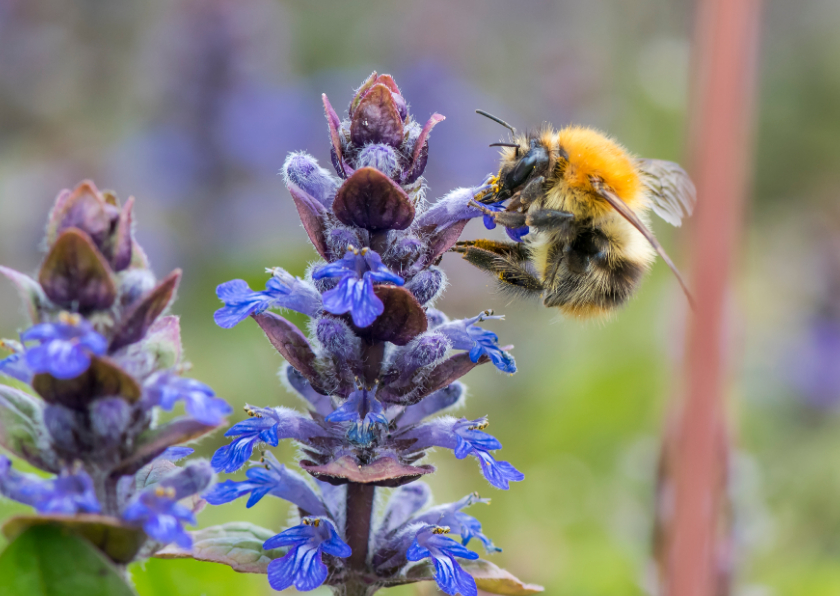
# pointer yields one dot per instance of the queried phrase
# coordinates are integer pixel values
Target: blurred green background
(192, 105)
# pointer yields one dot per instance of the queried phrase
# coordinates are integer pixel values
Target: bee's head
(517, 172)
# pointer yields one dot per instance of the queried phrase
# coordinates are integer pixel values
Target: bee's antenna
(504, 145)
(496, 119)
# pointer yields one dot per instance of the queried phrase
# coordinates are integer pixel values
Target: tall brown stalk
(695, 556)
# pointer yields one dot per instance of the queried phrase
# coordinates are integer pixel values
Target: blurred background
(192, 106)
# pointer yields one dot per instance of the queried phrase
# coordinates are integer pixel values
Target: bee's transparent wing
(670, 188)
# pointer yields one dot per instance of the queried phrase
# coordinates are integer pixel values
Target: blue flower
(14, 365)
(166, 388)
(357, 272)
(364, 411)
(161, 515)
(466, 437)
(466, 526)
(465, 335)
(267, 425)
(432, 542)
(283, 290)
(271, 478)
(175, 453)
(514, 234)
(302, 565)
(68, 493)
(65, 347)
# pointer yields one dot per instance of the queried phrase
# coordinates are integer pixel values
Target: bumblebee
(585, 201)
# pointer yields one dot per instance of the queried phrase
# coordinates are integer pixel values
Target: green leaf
(119, 540)
(21, 428)
(493, 579)
(48, 561)
(237, 545)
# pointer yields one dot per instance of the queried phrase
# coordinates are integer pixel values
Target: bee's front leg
(509, 219)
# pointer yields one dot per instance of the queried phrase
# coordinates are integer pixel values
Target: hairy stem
(360, 499)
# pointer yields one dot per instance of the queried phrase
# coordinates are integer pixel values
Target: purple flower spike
(302, 565)
(65, 347)
(515, 234)
(357, 272)
(364, 411)
(432, 542)
(166, 388)
(68, 493)
(283, 290)
(270, 478)
(465, 335)
(382, 157)
(161, 515)
(466, 526)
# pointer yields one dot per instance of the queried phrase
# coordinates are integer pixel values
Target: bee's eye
(535, 160)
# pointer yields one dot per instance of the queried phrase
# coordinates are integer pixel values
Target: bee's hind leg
(505, 261)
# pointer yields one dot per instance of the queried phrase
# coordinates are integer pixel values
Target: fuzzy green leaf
(49, 561)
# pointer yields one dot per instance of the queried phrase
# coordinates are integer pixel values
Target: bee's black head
(516, 174)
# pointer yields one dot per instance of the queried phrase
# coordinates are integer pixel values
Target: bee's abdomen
(596, 292)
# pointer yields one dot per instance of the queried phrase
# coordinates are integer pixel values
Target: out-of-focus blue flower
(65, 347)
(166, 388)
(14, 365)
(467, 437)
(267, 425)
(70, 492)
(162, 516)
(432, 542)
(283, 290)
(364, 411)
(357, 271)
(176, 453)
(466, 526)
(270, 478)
(302, 565)
(466, 335)
(514, 234)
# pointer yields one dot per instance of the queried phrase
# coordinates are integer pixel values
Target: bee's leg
(532, 191)
(509, 219)
(547, 220)
(507, 268)
(512, 250)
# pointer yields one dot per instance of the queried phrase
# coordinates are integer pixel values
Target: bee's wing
(670, 188)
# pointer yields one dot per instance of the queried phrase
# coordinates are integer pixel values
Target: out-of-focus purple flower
(267, 425)
(466, 526)
(70, 492)
(466, 335)
(14, 365)
(467, 437)
(514, 234)
(162, 516)
(432, 542)
(283, 290)
(364, 411)
(815, 372)
(158, 509)
(166, 388)
(302, 565)
(65, 347)
(270, 478)
(357, 271)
